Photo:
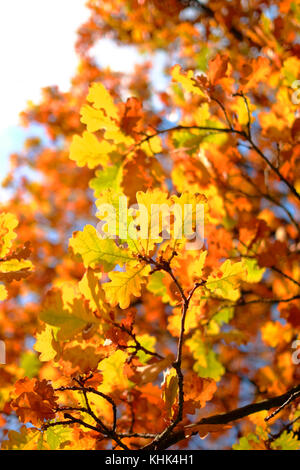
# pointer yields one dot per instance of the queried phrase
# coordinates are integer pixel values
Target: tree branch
(234, 415)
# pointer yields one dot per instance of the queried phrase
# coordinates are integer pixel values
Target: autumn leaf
(14, 269)
(96, 251)
(125, 285)
(25, 439)
(108, 178)
(82, 359)
(200, 131)
(67, 310)
(8, 223)
(101, 99)
(286, 441)
(112, 370)
(3, 292)
(58, 437)
(225, 282)
(131, 114)
(46, 344)
(36, 401)
(217, 68)
(170, 389)
(142, 375)
(207, 364)
(91, 289)
(199, 390)
(188, 81)
(87, 150)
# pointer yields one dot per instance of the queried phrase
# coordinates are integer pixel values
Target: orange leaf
(36, 401)
(217, 68)
(204, 429)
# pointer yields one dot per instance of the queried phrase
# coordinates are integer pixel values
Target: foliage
(142, 342)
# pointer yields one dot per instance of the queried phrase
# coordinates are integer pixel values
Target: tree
(143, 339)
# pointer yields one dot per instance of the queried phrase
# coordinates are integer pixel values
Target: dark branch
(234, 415)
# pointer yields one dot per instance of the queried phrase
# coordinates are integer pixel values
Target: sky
(37, 40)
(36, 49)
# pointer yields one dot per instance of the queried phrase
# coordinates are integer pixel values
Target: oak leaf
(125, 284)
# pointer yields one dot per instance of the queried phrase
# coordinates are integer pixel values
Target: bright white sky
(37, 40)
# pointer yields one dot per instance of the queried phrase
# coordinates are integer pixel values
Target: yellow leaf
(112, 372)
(151, 217)
(8, 223)
(101, 99)
(170, 389)
(225, 282)
(114, 216)
(14, 265)
(253, 272)
(202, 114)
(3, 292)
(189, 215)
(195, 268)
(14, 269)
(242, 111)
(91, 289)
(68, 310)
(274, 333)
(26, 439)
(95, 119)
(87, 150)
(207, 364)
(125, 285)
(46, 344)
(187, 81)
(191, 321)
(152, 146)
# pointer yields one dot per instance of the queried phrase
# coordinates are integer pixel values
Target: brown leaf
(204, 429)
(145, 374)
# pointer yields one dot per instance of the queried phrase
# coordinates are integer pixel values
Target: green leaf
(286, 441)
(245, 442)
(187, 139)
(206, 361)
(109, 178)
(156, 285)
(252, 441)
(97, 251)
(148, 342)
(202, 58)
(254, 272)
(56, 436)
(224, 316)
